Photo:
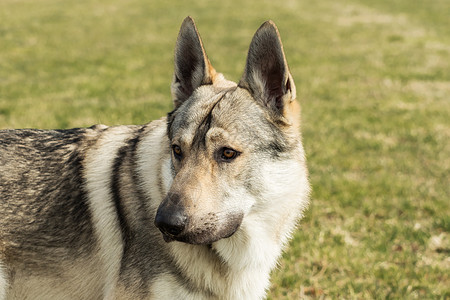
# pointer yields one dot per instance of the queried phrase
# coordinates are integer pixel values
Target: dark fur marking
(141, 240)
(170, 118)
(126, 151)
(115, 189)
(39, 209)
(134, 143)
(278, 146)
(205, 125)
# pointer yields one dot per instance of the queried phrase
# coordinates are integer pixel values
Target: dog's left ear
(266, 75)
(192, 67)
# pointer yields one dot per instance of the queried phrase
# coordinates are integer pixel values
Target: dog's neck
(234, 268)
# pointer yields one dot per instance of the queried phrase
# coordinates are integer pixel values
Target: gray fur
(43, 197)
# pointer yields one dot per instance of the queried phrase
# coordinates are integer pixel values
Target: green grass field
(373, 79)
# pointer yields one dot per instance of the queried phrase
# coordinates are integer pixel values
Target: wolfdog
(195, 205)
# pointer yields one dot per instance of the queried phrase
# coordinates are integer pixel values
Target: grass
(373, 78)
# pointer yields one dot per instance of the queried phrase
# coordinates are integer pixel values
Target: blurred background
(373, 79)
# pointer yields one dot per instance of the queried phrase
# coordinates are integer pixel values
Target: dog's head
(222, 134)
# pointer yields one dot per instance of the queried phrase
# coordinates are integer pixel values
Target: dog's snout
(172, 222)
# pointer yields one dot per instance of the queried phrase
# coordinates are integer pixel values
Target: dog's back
(42, 196)
(66, 222)
(45, 222)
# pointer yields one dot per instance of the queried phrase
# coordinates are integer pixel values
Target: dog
(196, 205)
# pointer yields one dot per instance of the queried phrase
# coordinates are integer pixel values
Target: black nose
(171, 222)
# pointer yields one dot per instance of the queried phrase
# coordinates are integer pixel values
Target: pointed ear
(192, 67)
(266, 75)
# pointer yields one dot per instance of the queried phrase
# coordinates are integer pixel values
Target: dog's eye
(177, 151)
(229, 154)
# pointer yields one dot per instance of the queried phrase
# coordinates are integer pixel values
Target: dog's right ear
(192, 67)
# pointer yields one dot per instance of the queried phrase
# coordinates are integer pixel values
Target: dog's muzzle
(176, 224)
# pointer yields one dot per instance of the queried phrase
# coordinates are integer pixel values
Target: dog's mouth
(206, 235)
(197, 239)
(167, 237)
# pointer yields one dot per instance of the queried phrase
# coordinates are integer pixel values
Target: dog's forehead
(230, 110)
